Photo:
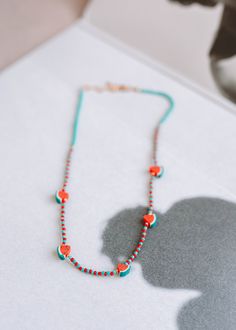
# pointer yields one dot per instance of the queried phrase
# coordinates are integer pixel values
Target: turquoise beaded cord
(150, 220)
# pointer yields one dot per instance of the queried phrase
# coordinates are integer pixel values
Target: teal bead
(123, 269)
(60, 255)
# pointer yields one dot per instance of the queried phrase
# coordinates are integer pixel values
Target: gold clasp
(115, 88)
(110, 87)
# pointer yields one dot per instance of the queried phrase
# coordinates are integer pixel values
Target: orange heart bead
(121, 267)
(62, 196)
(150, 219)
(65, 249)
(156, 171)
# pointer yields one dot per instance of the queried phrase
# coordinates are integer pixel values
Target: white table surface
(37, 99)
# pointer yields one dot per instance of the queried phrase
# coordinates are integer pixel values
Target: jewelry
(150, 219)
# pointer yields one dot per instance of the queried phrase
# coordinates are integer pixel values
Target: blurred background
(196, 39)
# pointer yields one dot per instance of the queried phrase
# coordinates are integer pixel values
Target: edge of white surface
(143, 58)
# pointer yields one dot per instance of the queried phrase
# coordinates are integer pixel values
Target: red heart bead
(63, 195)
(155, 170)
(148, 218)
(121, 267)
(65, 250)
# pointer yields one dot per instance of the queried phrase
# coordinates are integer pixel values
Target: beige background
(25, 24)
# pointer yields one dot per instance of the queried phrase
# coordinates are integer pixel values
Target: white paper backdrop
(38, 96)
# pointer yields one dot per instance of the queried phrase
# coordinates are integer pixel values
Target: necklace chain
(150, 219)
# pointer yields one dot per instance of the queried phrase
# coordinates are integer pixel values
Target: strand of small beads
(150, 219)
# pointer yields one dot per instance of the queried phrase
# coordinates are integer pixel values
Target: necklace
(150, 219)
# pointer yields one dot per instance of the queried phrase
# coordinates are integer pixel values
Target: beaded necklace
(150, 219)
